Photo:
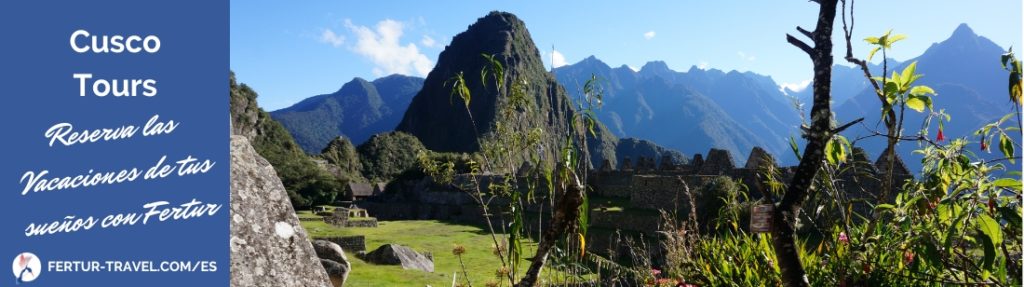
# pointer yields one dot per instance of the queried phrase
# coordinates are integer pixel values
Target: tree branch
(847, 125)
(809, 34)
(800, 44)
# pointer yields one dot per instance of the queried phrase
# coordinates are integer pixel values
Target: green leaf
(1006, 146)
(921, 91)
(872, 53)
(990, 251)
(885, 206)
(932, 255)
(894, 38)
(1007, 183)
(915, 103)
(794, 147)
(835, 152)
(990, 228)
(896, 81)
(1011, 215)
(908, 74)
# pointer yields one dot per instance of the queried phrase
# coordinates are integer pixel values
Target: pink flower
(908, 257)
(843, 238)
(655, 271)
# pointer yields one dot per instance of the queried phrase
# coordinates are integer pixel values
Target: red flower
(867, 268)
(984, 146)
(843, 238)
(939, 137)
(908, 257)
(991, 204)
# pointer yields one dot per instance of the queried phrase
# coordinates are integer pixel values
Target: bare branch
(800, 44)
(847, 125)
(809, 34)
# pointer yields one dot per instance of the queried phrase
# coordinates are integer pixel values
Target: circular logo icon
(26, 267)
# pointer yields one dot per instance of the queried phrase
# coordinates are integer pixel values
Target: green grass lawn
(423, 236)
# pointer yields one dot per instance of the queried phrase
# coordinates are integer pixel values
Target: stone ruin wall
(660, 189)
(352, 244)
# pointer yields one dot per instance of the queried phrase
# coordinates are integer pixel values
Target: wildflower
(498, 250)
(501, 272)
(843, 238)
(908, 257)
(655, 271)
(939, 137)
(458, 250)
(984, 147)
(867, 268)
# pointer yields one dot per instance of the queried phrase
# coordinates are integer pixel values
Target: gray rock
(337, 271)
(268, 246)
(333, 258)
(394, 254)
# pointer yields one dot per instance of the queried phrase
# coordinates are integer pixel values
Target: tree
(386, 155)
(818, 136)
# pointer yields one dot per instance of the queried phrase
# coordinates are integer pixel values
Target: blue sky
(291, 50)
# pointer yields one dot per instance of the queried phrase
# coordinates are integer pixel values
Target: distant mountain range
(691, 111)
(694, 110)
(971, 84)
(357, 111)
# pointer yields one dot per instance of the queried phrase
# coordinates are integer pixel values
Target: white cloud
(557, 59)
(649, 35)
(796, 87)
(745, 56)
(428, 42)
(329, 37)
(383, 47)
(703, 65)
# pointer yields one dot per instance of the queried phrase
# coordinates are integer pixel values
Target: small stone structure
(719, 162)
(356, 191)
(355, 243)
(759, 158)
(627, 164)
(350, 217)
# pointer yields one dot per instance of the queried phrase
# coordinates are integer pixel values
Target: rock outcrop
(333, 258)
(268, 246)
(394, 254)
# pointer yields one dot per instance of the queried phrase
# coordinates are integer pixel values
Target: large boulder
(394, 254)
(337, 271)
(333, 258)
(268, 246)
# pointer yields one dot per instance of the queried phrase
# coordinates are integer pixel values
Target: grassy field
(423, 236)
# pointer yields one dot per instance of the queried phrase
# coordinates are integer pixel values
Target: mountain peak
(655, 66)
(594, 62)
(963, 31)
(356, 86)
(507, 38)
